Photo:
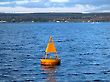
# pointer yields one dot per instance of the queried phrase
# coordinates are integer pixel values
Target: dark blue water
(84, 49)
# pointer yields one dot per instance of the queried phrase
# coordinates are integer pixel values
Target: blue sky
(38, 6)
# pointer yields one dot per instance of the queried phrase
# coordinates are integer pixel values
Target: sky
(43, 6)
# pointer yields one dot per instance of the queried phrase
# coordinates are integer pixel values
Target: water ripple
(84, 50)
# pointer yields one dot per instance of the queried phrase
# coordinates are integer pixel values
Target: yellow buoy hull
(50, 62)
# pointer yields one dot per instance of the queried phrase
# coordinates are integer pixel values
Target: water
(84, 49)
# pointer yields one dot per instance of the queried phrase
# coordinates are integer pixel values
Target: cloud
(59, 1)
(4, 3)
(54, 6)
(76, 8)
(19, 2)
(102, 8)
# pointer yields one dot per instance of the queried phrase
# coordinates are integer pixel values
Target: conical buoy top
(50, 46)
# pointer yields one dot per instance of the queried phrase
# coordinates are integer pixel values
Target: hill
(55, 17)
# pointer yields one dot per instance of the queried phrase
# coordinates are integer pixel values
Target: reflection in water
(50, 72)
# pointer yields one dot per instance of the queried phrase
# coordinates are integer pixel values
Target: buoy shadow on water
(49, 71)
(49, 61)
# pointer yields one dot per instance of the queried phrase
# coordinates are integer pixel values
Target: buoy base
(50, 62)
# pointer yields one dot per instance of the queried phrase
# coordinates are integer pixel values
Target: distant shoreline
(54, 17)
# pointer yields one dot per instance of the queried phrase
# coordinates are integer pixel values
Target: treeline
(55, 17)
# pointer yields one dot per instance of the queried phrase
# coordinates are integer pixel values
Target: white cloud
(35, 0)
(4, 3)
(59, 1)
(84, 8)
(78, 8)
(25, 1)
(19, 2)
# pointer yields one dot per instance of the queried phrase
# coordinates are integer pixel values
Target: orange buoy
(49, 61)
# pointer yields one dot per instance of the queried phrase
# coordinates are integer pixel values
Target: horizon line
(50, 12)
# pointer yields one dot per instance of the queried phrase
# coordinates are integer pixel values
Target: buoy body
(50, 62)
(50, 49)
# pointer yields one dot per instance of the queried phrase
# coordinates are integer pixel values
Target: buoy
(49, 61)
